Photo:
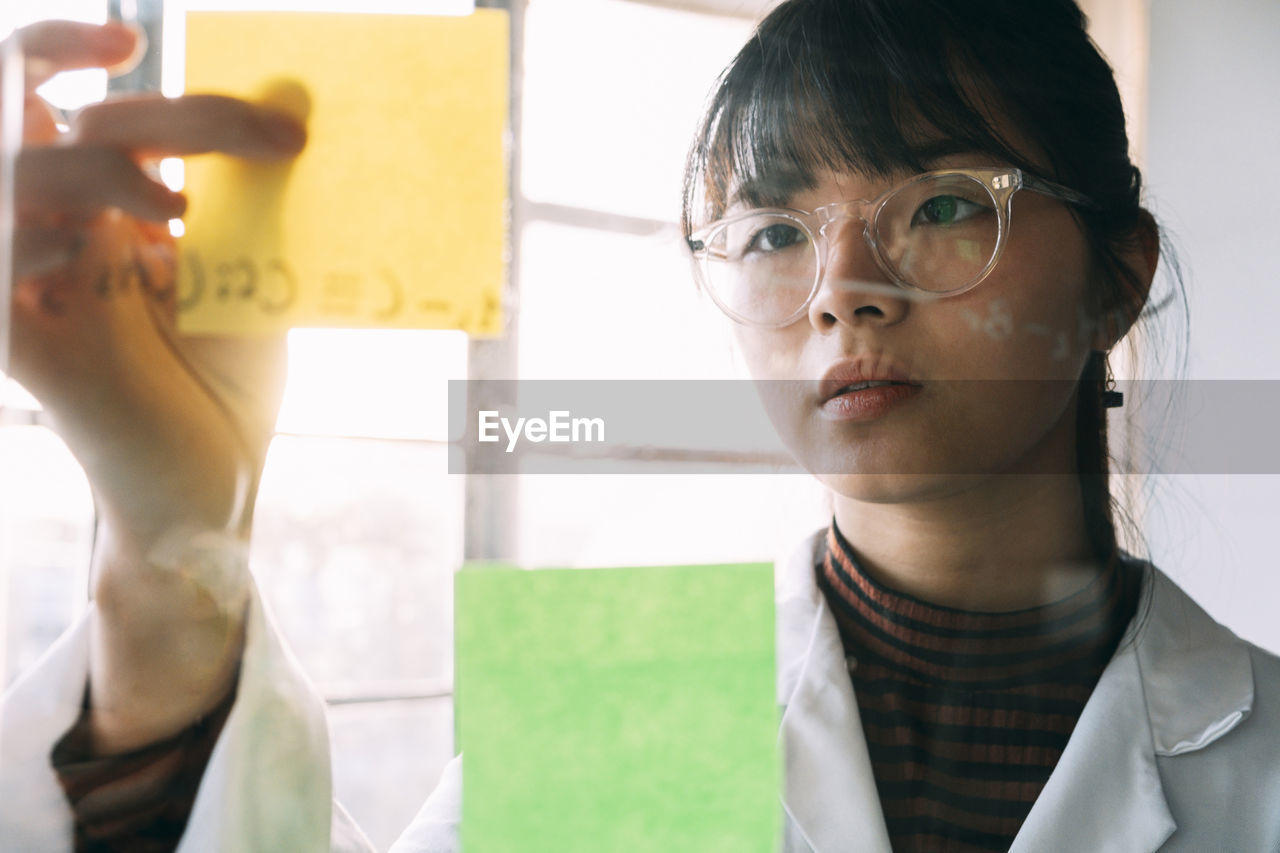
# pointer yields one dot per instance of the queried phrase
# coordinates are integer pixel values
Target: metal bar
(12, 67)
(489, 514)
(149, 15)
(408, 690)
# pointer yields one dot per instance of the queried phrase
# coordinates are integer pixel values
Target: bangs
(840, 87)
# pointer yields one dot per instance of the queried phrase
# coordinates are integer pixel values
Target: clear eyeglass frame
(1001, 184)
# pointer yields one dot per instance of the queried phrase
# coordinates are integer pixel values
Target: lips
(869, 367)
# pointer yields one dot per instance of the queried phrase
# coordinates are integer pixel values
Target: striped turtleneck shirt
(966, 713)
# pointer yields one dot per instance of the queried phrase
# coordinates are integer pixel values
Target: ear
(1140, 257)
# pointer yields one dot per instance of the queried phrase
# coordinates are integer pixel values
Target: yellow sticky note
(395, 213)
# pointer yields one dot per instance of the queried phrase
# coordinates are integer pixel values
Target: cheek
(771, 353)
(1028, 320)
(1010, 337)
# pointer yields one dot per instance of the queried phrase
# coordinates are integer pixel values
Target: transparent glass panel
(387, 757)
(376, 383)
(613, 91)
(601, 520)
(354, 546)
(596, 305)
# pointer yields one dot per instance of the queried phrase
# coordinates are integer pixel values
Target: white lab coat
(1177, 750)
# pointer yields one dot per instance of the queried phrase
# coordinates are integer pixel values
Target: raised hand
(172, 431)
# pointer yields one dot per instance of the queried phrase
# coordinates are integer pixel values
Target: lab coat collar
(36, 711)
(1197, 675)
(830, 793)
(1177, 683)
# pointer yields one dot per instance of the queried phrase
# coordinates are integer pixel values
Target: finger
(28, 295)
(39, 127)
(192, 124)
(82, 181)
(39, 249)
(53, 46)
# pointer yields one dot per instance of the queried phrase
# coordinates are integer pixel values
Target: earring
(1111, 398)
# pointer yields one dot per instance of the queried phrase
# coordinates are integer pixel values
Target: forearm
(168, 633)
(170, 575)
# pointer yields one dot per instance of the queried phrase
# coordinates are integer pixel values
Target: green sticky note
(627, 709)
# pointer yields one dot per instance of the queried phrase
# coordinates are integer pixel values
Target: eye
(944, 210)
(774, 237)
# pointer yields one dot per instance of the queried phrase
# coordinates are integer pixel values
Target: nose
(854, 289)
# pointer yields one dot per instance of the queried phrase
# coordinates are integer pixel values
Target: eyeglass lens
(938, 234)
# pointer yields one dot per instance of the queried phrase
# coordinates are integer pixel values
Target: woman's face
(996, 366)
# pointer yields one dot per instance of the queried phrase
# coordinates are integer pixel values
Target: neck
(1004, 542)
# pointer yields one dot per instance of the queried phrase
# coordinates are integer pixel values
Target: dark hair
(874, 85)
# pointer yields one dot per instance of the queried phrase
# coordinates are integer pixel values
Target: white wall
(1213, 175)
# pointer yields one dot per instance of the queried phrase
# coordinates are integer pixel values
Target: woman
(935, 195)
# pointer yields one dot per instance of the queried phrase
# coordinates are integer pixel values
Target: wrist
(187, 575)
(168, 631)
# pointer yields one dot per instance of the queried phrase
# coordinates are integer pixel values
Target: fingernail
(117, 36)
(283, 131)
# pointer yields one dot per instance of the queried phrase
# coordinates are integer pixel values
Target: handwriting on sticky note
(617, 709)
(393, 215)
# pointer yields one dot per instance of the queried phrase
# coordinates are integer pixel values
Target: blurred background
(360, 527)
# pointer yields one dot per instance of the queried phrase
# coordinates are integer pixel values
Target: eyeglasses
(939, 233)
